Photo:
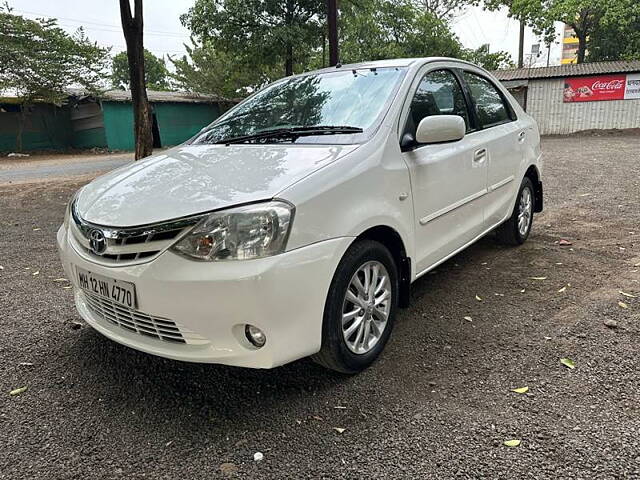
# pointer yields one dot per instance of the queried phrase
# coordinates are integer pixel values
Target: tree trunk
(133, 28)
(582, 47)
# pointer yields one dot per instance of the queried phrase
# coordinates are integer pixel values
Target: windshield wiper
(293, 133)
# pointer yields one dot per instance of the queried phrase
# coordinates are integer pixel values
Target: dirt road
(437, 405)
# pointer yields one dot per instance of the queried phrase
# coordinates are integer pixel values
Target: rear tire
(515, 231)
(358, 316)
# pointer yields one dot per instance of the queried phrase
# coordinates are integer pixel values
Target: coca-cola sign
(593, 89)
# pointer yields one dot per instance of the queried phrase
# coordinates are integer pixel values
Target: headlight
(242, 233)
(67, 211)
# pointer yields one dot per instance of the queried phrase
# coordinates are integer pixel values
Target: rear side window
(490, 106)
(439, 93)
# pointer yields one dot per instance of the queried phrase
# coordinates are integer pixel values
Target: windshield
(347, 98)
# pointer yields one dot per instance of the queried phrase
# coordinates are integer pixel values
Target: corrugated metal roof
(157, 97)
(568, 70)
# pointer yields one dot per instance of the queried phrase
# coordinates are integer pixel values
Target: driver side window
(439, 93)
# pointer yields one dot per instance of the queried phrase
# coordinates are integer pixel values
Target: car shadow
(197, 396)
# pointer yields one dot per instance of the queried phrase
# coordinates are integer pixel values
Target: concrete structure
(569, 46)
(541, 92)
(106, 121)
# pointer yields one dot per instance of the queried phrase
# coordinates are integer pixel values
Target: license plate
(122, 293)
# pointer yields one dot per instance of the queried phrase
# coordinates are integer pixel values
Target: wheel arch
(390, 238)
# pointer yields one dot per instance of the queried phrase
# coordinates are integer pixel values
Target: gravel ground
(437, 405)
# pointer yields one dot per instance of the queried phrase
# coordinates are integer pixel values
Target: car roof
(393, 62)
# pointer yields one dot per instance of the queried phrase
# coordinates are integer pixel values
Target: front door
(448, 180)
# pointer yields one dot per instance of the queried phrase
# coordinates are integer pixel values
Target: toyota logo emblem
(97, 242)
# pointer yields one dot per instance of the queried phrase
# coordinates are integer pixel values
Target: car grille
(127, 245)
(141, 323)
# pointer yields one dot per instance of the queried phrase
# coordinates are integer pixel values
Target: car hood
(193, 179)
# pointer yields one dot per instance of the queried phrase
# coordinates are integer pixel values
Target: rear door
(502, 135)
(448, 180)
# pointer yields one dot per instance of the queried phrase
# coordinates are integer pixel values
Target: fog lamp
(255, 336)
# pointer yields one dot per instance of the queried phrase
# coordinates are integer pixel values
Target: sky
(164, 35)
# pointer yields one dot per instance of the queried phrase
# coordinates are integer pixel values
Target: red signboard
(594, 89)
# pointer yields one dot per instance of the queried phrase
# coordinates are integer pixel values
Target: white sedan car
(294, 224)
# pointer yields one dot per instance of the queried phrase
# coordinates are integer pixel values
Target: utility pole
(332, 21)
(521, 46)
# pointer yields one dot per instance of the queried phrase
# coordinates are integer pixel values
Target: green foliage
(156, 73)
(586, 17)
(617, 40)
(39, 60)
(491, 61)
(267, 36)
(207, 70)
(378, 29)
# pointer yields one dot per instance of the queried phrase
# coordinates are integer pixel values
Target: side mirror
(440, 128)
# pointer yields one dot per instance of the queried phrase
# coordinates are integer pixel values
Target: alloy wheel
(366, 307)
(525, 208)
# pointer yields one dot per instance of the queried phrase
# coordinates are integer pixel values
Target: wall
(118, 123)
(46, 128)
(178, 122)
(545, 104)
(88, 126)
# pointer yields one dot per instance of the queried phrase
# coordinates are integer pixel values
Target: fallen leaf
(478, 298)
(340, 407)
(567, 362)
(512, 443)
(17, 391)
(627, 294)
(315, 417)
(538, 278)
(522, 291)
(547, 338)
(36, 229)
(521, 390)
(68, 287)
(1, 267)
(562, 289)
(60, 280)
(623, 305)
(468, 319)
(25, 364)
(564, 242)
(636, 265)
(584, 195)
(499, 294)
(37, 272)
(339, 430)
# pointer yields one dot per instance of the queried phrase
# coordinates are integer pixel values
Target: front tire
(515, 231)
(360, 309)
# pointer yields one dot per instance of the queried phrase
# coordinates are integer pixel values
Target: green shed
(107, 121)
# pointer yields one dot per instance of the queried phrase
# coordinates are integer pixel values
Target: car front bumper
(210, 303)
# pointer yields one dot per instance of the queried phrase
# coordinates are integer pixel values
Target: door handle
(521, 136)
(480, 155)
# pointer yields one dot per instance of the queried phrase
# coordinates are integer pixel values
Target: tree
(490, 61)
(39, 61)
(264, 34)
(584, 16)
(132, 26)
(617, 40)
(379, 29)
(207, 70)
(156, 73)
(445, 9)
